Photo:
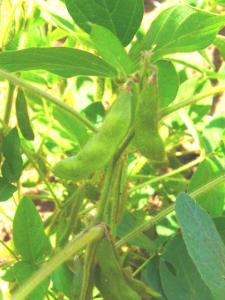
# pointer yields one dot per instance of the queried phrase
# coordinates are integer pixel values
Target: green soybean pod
(147, 138)
(23, 116)
(100, 149)
(110, 280)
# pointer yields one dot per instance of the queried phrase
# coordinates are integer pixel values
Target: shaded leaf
(179, 276)
(13, 163)
(203, 243)
(151, 276)
(6, 189)
(23, 116)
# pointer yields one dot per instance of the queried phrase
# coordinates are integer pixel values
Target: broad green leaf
(28, 232)
(179, 277)
(23, 271)
(168, 82)
(203, 243)
(65, 62)
(6, 189)
(68, 282)
(122, 17)
(111, 49)
(13, 164)
(182, 29)
(63, 281)
(213, 133)
(150, 275)
(213, 200)
(74, 129)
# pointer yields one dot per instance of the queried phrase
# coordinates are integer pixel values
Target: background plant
(136, 99)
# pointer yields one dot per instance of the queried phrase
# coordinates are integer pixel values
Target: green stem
(102, 206)
(160, 216)
(145, 263)
(88, 271)
(9, 104)
(79, 243)
(165, 176)
(41, 174)
(210, 92)
(24, 84)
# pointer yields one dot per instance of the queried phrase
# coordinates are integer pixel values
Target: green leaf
(65, 62)
(150, 275)
(68, 282)
(213, 200)
(63, 280)
(6, 189)
(179, 277)
(23, 271)
(182, 29)
(23, 116)
(203, 243)
(28, 232)
(213, 133)
(122, 17)
(168, 82)
(111, 49)
(13, 163)
(73, 128)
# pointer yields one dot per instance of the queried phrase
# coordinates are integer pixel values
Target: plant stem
(42, 176)
(145, 263)
(212, 91)
(88, 271)
(165, 176)
(53, 99)
(9, 104)
(102, 206)
(80, 242)
(160, 216)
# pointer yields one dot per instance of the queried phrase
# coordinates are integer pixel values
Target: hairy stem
(160, 216)
(80, 242)
(167, 175)
(210, 92)
(53, 99)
